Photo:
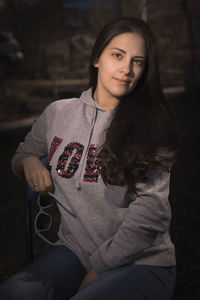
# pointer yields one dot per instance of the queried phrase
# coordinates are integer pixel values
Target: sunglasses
(43, 220)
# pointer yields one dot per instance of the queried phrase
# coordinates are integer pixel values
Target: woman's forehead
(132, 43)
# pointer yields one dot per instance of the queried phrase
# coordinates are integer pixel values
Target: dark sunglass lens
(43, 222)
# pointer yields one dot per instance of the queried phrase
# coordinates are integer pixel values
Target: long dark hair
(141, 134)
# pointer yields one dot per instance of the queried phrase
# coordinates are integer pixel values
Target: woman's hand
(91, 275)
(36, 175)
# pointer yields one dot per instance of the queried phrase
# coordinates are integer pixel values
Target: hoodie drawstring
(93, 121)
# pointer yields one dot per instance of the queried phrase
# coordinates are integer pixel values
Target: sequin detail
(115, 179)
(54, 145)
(93, 165)
(75, 160)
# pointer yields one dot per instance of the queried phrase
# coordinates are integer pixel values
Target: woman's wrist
(19, 164)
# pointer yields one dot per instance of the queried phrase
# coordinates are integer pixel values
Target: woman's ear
(96, 64)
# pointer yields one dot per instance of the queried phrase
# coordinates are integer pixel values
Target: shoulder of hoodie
(60, 105)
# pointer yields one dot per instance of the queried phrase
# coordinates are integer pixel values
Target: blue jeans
(57, 274)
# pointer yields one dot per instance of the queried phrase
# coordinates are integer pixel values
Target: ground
(15, 120)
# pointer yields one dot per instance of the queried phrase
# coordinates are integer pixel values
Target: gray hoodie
(112, 227)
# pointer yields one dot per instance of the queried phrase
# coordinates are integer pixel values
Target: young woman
(110, 154)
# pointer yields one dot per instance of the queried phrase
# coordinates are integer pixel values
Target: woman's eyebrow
(123, 51)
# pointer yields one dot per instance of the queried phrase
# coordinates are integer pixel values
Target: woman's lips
(122, 81)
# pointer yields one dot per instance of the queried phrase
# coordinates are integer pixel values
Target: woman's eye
(139, 62)
(117, 55)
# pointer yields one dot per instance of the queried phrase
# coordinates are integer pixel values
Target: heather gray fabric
(112, 227)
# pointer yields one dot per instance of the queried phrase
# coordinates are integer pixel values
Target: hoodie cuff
(14, 159)
(98, 264)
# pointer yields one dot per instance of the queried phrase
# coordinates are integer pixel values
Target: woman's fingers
(37, 176)
(44, 181)
(41, 182)
(36, 186)
(47, 181)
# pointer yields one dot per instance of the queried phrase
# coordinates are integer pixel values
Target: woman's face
(120, 66)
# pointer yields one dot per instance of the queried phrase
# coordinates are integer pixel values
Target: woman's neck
(104, 100)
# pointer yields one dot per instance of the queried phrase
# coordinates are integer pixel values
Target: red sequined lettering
(75, 160)
(54, 145)
(93, 165)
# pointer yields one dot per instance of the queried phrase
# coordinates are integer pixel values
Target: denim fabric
(57, 274)
(135, 282)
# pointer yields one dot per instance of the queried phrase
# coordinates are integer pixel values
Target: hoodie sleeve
(35, 142)
(148, 215)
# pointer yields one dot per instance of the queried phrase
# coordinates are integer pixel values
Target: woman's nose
(127, 68)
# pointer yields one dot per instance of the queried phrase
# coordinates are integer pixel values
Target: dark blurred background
(44, 52)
